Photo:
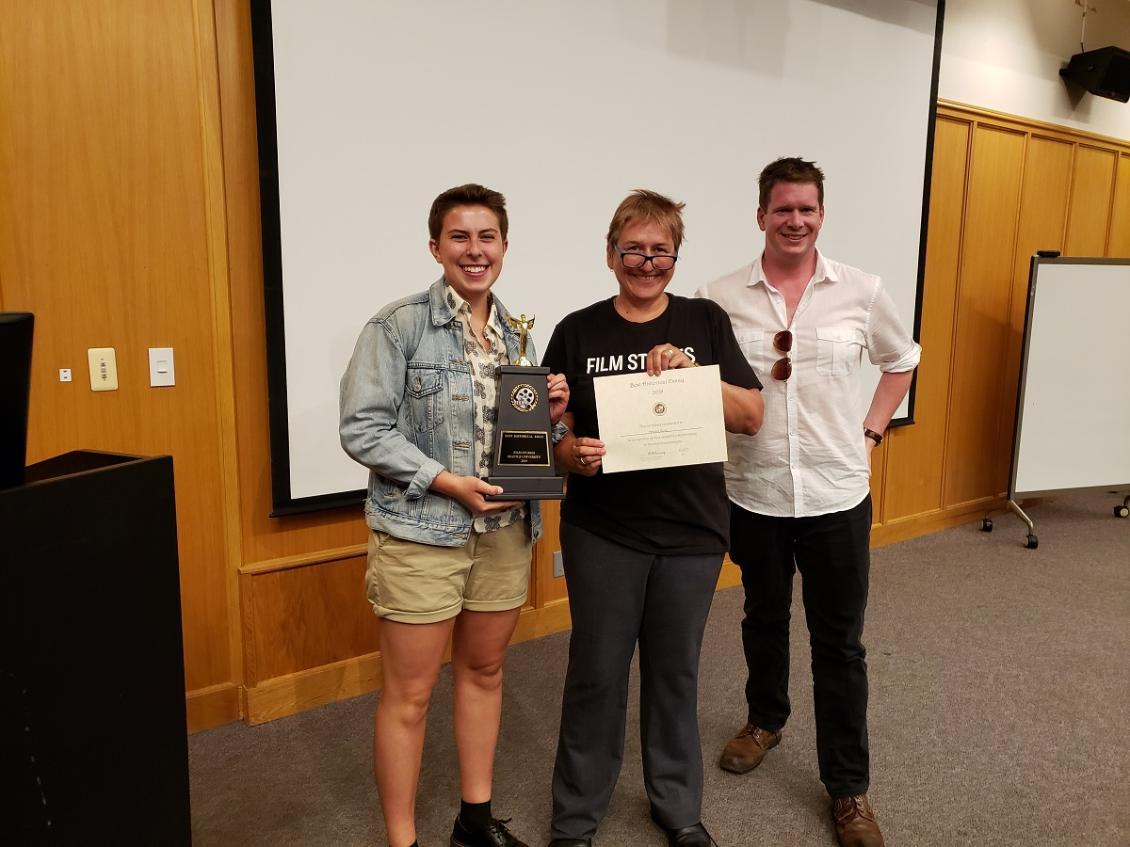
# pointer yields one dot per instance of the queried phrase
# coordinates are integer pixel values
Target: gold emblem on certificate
(523, 446)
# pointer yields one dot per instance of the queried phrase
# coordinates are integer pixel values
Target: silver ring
(581, 460)
(668, 352)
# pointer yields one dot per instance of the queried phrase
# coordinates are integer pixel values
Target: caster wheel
(1121, 512)
(986, 525)
(1033, 542)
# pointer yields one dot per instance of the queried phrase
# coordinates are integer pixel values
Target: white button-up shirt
(809, 458)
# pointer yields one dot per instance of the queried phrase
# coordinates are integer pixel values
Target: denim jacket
(406, 415)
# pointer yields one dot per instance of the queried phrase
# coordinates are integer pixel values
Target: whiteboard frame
(283, 502)
(1033, 281)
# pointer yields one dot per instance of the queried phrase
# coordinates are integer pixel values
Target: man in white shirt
(799, 489)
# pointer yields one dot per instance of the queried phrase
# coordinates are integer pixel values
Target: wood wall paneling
(1118, 239)
(547, 588)
(103, 234)
(981, 339)
(1091, 192)
(1042, 223)
(309, 616)
(916, 453)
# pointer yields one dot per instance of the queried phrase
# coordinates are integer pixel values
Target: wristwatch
(559, 431)
(877, 437)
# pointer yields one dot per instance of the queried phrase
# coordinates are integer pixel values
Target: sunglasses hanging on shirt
(783, 367)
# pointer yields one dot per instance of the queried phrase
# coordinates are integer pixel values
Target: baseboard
(730, 576)
(213, 706)
(902, 529)
(534, 623)
(297, 692)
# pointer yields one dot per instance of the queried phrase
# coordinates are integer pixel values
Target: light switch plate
(161, 370)
(103, 369)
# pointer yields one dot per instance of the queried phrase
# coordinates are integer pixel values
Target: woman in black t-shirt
(642, 549)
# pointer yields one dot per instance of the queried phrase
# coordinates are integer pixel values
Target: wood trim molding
(213, 706)
(302, 560)
(730, 576)
(1003, 120)
(903, 529)
(219, 280)
(297, 692)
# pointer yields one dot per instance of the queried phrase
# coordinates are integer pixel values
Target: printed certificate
(661, 421)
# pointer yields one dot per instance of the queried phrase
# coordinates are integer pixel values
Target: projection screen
(367, 109)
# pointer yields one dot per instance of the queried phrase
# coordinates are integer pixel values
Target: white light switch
(103, 369)
(64, 374)
(161, 366)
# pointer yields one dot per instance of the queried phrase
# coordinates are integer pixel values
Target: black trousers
(618, 597)
(832, 553)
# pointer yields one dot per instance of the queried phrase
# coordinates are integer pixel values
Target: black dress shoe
(571, 842)
(495, 835)
(694, 835)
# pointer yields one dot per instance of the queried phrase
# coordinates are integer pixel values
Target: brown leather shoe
(746, 749)
(855, 822)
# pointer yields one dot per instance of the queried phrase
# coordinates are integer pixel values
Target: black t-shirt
(680, 510)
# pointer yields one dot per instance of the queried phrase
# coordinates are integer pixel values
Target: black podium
(93, 739)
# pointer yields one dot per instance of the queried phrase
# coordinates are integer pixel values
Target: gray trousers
(618, 596)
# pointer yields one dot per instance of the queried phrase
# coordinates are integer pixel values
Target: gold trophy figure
(522, 326)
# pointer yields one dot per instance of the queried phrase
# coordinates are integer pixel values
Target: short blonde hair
(646, 205)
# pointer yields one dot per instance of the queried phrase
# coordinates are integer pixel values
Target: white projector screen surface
(1073, 430)
(565, 108)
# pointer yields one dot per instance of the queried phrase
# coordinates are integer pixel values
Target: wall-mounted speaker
(1104, 73)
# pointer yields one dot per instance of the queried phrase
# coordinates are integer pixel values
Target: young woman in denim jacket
(418, 408)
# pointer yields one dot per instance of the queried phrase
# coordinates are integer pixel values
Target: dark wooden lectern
(93, 740)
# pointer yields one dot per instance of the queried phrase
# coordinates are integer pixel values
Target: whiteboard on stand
(1073, 407)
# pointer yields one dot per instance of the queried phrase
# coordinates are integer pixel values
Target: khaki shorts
(410, 582)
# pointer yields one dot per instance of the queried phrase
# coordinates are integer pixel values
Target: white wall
(1006, 55)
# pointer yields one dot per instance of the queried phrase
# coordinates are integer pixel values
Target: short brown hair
(471, 194)
(648, 206)
(788, 169)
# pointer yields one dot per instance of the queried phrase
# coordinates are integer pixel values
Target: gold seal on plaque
(524, 397)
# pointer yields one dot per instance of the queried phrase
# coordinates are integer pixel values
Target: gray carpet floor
(1000, 683)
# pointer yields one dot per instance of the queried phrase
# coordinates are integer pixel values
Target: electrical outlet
(64, 374)
(558, 564)
(103, 369)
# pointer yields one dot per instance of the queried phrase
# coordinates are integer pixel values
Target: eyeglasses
(638, 260)
(783, 367)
